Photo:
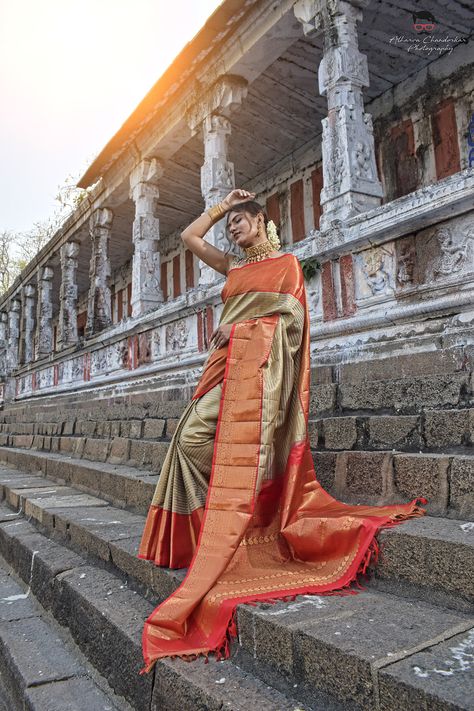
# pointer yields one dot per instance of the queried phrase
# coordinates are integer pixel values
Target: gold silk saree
(238, 500)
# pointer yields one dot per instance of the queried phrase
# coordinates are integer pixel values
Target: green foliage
(309, 267)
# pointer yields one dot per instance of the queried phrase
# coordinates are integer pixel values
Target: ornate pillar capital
(148, 172)
(226, 94)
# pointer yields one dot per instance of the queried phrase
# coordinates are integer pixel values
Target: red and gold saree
(238, 500)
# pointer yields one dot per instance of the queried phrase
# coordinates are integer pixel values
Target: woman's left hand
(220, 336)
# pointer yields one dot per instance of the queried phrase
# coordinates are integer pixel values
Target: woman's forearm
(201, 224)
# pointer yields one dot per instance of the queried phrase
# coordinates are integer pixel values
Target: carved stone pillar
(29, 299)
(13, 335)
(44, 313)
(67, 326)
(146, 289)
(99, 304)
(350, 182)
(217, 172)
(3, 342)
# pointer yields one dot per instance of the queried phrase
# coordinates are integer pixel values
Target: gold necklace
(257, 252)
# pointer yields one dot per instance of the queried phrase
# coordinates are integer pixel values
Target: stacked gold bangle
(217, 212)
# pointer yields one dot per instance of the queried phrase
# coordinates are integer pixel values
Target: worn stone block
(340, 432)
(115, 428)
(436, 678)
(141, 453)
(423, 475)
(171, 425)
(390, 431)
(325, 467)
(86, 427)
(364, 475)
(314, 429)
(446, 428)
(96, 449)
(153, 429)
(68, 427)
(159, 451)
(322, 398)
(119, 450)
(462, 485)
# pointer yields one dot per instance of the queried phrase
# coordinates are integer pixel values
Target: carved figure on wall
(406, 264)
(373, 266)
(453, 256)
(362, 160)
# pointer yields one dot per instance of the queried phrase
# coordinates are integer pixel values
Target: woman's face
(243, 228)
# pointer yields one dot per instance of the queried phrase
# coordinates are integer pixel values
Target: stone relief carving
(453, 256)
(313, 290)
(176, 336)
(375, 272)
(406, 262)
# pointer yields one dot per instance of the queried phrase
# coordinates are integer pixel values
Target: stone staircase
(77, 473)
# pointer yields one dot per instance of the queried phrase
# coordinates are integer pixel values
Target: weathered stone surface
(322, 398)
(160, 450)
(436, 555)
(119, 450)
(153, 429)
(437, 678)
(86, 427)
(106, 620)
(96, 449)
(428, 363)
(331, 643)
(404, 396)
(325, 466)
(364, 474)
(461, 489)
(73, 694)
(27, 641)
(423, 475)
(171, 425)
(446, 428)
(387, 431)
(141, 453)
(340, 432)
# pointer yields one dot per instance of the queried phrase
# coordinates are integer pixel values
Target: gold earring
(258, 229)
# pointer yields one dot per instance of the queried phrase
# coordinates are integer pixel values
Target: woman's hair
(252, 207)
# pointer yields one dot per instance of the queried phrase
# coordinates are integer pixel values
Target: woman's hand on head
(236, 196)
(220, 336)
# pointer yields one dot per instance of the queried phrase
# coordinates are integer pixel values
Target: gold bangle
(217, 212)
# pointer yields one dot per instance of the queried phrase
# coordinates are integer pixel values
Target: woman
(238, 500)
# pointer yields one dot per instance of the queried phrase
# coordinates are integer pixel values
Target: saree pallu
(238, 499)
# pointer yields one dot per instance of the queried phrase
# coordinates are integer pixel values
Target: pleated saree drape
(238, 500)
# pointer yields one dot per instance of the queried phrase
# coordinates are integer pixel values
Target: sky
(70, 74)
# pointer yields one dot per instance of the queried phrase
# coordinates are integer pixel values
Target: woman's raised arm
(193, 235)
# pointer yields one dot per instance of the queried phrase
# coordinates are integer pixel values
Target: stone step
(106, 618)
(433, 555)
(400, 396)
(363, 650)
(383, 386)
(429, 430)
(446, 480)
(40, 668)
